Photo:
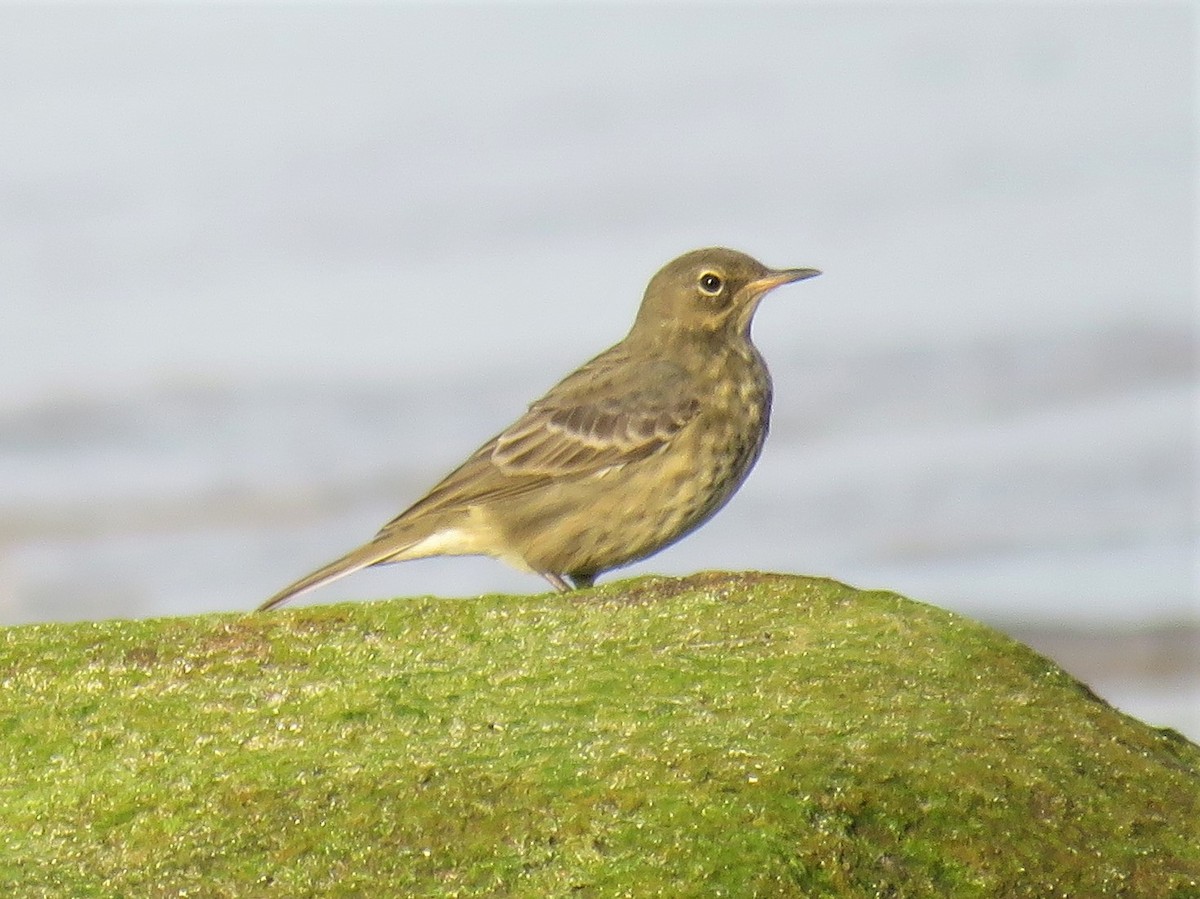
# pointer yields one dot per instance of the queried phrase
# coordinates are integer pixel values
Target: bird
(626, 455)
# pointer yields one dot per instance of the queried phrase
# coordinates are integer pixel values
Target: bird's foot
(557, 581)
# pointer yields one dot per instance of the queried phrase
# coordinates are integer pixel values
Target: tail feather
(363, 557)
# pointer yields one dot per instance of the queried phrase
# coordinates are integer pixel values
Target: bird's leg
(582, 581)
(556, 581)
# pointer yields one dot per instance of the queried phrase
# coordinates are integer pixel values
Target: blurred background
(269, 271)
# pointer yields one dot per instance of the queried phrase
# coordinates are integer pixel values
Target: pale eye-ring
(711, 284)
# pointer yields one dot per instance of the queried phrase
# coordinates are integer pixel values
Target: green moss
(737, 735)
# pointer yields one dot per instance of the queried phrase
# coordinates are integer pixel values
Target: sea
(268, 271)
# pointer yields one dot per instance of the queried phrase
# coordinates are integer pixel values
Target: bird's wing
(591, 423)
(610, 412)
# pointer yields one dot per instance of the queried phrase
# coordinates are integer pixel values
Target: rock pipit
(626, 455)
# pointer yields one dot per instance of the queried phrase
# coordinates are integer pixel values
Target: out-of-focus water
(267, 273)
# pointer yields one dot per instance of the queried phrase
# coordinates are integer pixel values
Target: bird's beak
(784, 276)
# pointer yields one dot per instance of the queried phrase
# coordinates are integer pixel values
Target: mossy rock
(718, 735)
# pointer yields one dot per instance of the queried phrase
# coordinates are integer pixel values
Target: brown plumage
(624, 456)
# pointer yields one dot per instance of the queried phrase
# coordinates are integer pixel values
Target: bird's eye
(711, 284)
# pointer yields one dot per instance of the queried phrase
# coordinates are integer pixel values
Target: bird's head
(711, 291)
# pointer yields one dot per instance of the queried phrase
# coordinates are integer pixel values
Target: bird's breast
(737, 387)
(732, 426)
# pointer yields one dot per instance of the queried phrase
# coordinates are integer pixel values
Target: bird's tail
(366, 555)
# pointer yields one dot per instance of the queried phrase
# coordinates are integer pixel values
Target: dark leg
(556, 581)
(583, 580)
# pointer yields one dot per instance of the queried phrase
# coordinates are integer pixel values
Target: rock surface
(722, 734)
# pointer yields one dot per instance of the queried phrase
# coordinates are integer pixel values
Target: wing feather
(611, 412)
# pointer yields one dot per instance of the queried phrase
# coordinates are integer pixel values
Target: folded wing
(602, 416)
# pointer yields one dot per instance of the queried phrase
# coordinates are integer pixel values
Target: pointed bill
(783, 276)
